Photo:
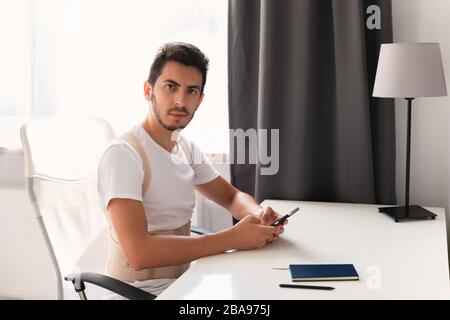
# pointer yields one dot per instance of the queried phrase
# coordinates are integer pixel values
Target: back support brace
(118, 266)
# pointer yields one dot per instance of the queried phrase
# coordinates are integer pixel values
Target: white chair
(61, 159)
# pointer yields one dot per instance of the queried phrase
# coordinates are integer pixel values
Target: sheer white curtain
(91, 57)
(16, 58)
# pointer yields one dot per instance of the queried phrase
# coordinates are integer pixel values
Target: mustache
(181, 110)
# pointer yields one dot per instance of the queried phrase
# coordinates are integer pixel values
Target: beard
(157, 112)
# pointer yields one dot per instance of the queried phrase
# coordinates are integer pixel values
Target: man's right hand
(250, 234)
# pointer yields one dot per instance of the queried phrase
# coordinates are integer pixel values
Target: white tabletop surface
(406, 260)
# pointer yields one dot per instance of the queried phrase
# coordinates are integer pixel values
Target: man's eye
(170, 86)
(194, 91)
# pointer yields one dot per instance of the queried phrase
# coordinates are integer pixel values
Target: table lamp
(409, 71)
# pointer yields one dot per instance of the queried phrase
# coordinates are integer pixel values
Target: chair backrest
(61, 159)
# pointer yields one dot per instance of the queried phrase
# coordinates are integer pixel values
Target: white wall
(425, 21)
(25, 269)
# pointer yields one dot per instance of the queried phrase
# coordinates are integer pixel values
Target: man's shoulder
(120, 145)
(117, 151)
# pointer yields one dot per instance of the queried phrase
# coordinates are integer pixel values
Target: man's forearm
(161, 250)
(244, 204)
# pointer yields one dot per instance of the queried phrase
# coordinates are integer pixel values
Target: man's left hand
(268, 216)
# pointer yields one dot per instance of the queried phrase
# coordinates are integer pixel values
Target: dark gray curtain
(307, 67)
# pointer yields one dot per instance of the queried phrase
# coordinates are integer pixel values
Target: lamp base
(408, 213)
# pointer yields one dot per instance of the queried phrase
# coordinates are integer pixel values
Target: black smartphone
(281, 220)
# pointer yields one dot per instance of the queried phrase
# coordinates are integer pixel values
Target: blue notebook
(323, 272)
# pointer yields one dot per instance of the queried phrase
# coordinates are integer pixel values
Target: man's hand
(250, 234)
(240, 204)
(267, 216)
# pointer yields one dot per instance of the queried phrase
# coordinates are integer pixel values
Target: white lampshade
(410, 70)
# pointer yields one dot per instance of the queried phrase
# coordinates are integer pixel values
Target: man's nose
(180, 98)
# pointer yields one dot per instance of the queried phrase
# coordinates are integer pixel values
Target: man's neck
(159, 134)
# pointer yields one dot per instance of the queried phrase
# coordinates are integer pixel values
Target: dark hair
(180, 52)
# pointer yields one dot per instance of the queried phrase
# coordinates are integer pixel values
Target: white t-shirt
(170, 198)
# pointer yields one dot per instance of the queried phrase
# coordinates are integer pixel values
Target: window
(15, 68)
(91, 58)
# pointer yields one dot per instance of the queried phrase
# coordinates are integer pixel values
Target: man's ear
(147, 91)
(199, 102)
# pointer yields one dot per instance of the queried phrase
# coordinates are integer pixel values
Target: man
(151, 229)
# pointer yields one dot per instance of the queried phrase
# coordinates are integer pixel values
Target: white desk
(409, 258)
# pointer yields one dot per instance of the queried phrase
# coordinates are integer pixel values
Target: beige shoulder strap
(134, 142)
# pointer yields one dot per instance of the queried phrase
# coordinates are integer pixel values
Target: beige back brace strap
(118, 266)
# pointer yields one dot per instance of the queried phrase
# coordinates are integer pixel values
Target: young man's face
(176, 95)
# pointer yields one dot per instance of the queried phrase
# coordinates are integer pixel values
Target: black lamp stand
(408, 212)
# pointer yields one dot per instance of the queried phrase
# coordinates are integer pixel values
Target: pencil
(302, 286)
